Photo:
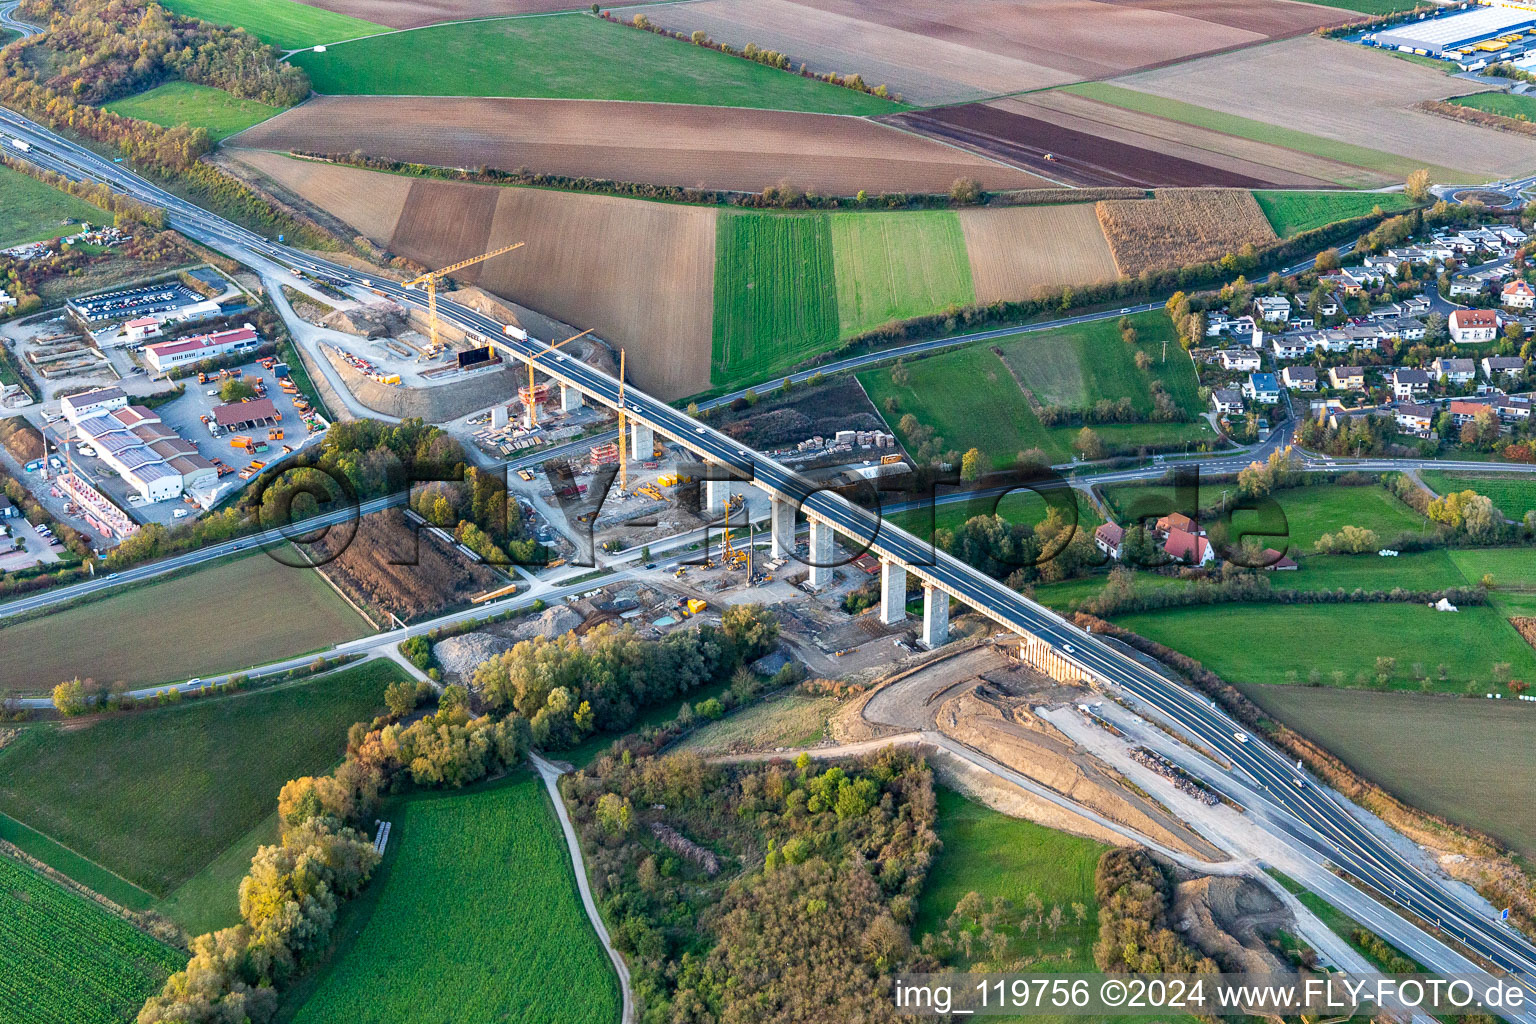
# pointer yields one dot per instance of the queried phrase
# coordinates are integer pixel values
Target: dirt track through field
(947, 51)
(415, 13)
(1065, 153)
(661, 144)
(640, 274)
(1344, 92)
(1015, 252)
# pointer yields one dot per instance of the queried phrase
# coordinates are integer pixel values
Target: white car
(1240, 736)
(698, 430)
(180, 513)
(1068, 648)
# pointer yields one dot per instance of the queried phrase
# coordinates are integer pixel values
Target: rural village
(765, 510)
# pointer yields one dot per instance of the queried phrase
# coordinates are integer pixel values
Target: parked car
(180, 513)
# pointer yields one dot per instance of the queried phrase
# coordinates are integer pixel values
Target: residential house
(1470, 326)
(1465, 286)
(1262, 388)
(1108, 538)
(1174, 521)
(1216, 324)
(1507, 366)
(1454, 372)
(1410, 383)
(1512, 410)
(1329, 305)
(1226, 401)
(1299, 378)
(1243, 360)
(1404, 328)
(1187, 547)
(1347, 378)
(1416, 305)
(1289, 346)
(1517, 294)
(1272, 308)
(1415, 419)
(1463, 410)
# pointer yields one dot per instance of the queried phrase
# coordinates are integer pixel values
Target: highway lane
(1339, 837)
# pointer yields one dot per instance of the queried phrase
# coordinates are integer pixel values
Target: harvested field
(444, 222)
(1179, 228)
(373, 211)
(949, 51)
(640, 274)
(416, 13)
(1017, 251)
(1253, 157)
(1297, 84)
(1062, 152)
(391, 568)
(660, 144)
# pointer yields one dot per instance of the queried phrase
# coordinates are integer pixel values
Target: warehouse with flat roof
(1438, 36)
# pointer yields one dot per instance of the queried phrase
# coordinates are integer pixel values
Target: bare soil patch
(1016, 252)
(1063, 152)
(660, 144)
(416, 13)
(432, 579)
(373, 211)
(1303, 84)
(445, 222)
(948, 51)
(1181, 227)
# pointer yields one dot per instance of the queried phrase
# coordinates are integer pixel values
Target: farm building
(1440, 37)
(168, 355)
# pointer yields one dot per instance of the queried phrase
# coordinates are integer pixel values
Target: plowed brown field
(1016, 252)
(1180, 227)
(415, 13)
(373, 212)
(948, 51)
(639, 274)
(662, 144)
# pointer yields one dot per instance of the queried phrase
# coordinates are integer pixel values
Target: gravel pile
(459, 656)
(554, 621)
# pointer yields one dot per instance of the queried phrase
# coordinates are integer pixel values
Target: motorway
(1318, 818)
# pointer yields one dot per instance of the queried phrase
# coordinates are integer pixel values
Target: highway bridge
(1311, 813)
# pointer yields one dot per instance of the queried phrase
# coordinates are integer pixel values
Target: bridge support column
(716, 493)
(821, 554)
(935, 617)
(642, 441)
(570, 398)
(782, 516)
(893, 593)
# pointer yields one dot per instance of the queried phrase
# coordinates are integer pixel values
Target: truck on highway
(21, 144)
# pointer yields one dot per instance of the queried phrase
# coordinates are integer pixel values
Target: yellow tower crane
(431, 280)
(533, 407)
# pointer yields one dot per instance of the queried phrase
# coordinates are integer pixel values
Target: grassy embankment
(159, 794)
(476, 898)
(31, 211)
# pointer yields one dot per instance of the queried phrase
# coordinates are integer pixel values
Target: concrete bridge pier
(570, 398)
(893, 593)
(782, 516)
(716, 494)
(642, 441)
(935, 617)
(821, 554)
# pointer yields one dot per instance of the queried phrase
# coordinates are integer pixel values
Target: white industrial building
(151, 458)
(168, 355)
(1440, 36)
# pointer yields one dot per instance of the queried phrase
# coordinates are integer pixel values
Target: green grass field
(1452, 741)
(286, 24)
(263, 611)
(1291, 213)
(971, 399)
(898, 266)
(69, 961)
(775, 293)
(31, 211)
(1513, 493)
(156, 795)
(1259, 131)
(210, 899)
(474, 914)
(1310, 512)
(569, 56)
(177, 103)
(1510, 567)
(1520, 108)
(994, 855)
(1252, 643)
